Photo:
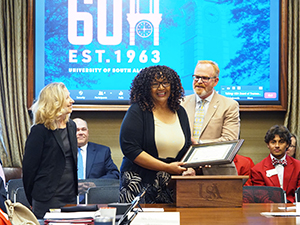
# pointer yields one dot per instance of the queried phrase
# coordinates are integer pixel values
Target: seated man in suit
(97, 159)
(212, 117)
(278, 169)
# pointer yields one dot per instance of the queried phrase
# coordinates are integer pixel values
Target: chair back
(263, 194)
(20, 196)
(11, 187)
(12, 173)
(297, 195)
(102, 195)
(85, 184)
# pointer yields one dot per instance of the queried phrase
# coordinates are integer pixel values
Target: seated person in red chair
(243, 166)
(278, 169)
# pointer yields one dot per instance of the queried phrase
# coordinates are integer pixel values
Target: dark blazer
(44, 161)
(291, 177)
(2, 195)
(99, 163)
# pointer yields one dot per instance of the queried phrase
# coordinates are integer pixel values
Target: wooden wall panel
(104, 129)
(254, 126)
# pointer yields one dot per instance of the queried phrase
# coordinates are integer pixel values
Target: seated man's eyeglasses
(203, 78)
(156, 84)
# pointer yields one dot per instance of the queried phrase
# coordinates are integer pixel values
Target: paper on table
(280, 214)
(151, 210)
(69, 222)
(69, 215)
(157, 218)
(287, 208)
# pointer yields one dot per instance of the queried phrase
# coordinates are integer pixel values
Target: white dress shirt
(280, 170)
(206, 104)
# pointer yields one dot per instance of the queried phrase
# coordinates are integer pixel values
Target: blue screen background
(242, 37)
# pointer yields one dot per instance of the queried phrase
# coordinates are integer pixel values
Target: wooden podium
(209, 191)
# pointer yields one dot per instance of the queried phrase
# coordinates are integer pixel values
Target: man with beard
(212, 117)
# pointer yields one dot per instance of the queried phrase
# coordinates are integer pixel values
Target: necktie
(276, 162)
(80, 164)
(199, 117)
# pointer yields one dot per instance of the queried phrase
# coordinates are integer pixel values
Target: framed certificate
(212, 153)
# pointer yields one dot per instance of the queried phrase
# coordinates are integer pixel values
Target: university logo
(141, 24)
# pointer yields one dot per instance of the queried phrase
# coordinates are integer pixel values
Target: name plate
(209, 191)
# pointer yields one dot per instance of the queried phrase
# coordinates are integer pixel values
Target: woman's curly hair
(140, 90)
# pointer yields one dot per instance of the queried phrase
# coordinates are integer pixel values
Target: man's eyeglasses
(156, 84)
(204, 79)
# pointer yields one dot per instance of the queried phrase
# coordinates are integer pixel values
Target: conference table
(249, 213)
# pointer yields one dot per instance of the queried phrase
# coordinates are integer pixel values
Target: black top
(137, 135)
(66, 185)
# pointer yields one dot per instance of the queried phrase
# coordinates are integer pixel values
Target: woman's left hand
(189, 172)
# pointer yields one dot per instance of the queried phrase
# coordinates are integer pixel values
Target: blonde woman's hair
(214, 65)
(49, 108)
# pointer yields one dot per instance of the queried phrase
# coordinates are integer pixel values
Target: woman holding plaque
(154, 135)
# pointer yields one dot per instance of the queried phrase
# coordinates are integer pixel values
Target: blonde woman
(50, 159)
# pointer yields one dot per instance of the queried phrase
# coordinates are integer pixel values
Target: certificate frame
(213, 153)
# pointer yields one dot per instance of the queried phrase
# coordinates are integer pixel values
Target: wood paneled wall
(254, 126)
(104, 129)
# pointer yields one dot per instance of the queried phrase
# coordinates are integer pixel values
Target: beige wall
(254, 126)
(104, 129)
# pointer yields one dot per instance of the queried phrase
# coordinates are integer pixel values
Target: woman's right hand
(176, 168)
(149, 162)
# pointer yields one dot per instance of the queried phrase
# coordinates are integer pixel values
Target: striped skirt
(158, 192)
